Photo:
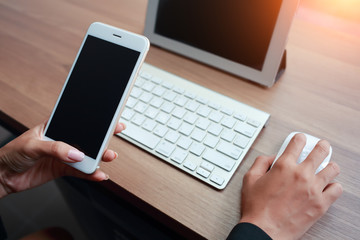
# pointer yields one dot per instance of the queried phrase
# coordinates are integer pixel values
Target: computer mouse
(311, 141)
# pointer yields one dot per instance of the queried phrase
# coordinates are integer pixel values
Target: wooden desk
(319, 94)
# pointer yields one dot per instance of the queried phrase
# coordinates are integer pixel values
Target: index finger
(293, 149)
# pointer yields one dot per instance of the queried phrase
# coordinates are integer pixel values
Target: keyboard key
(228, 122)
(148, 86)
(190, 118)
(184, 142)
(174, 123)
(190, 95)
(202, 100)
(203, 123)
(211, 141)
(142, 136)
(240, 116)
(216, 116)
(136, 92)
(145, 75)
(156, 102)
(214, 105)
(198, 135)
(139, 82)
(149, 125)
(204, 111)
(219, 159)
(190, 165)
(162, 118)
(227, 111)
(228, 135)
(192, 106)
(167, 85)
(186, 129)
(179, 155)
(253, 122)
(180, 101)
(179, 90)
(179, 112)
(215, 129)
(138, 119)
(160, 130)
(165, 148)
(208, 166)
(167, 107)
(156, 80)
(131, 102)
(172, 136)
(127, 114)
(230, 150)
(241, 141)
(159, 91)
(197, 148)
(151, 112)
(245, 129)
(170, 96)
(146, 97)
(140, 107)
(217, 179)
(203, 172)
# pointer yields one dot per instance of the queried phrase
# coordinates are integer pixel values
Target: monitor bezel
(267, 76)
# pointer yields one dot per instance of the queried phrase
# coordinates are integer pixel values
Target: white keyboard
(202, 132)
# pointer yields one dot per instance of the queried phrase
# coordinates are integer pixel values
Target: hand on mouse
(28, 161)
(287, 200)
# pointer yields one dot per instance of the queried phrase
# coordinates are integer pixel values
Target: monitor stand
(282, 66)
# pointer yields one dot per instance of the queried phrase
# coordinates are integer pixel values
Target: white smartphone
(99, 82)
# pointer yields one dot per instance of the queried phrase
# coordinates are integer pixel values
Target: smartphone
(98, 84)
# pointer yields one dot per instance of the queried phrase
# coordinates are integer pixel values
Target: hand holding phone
(95, 91)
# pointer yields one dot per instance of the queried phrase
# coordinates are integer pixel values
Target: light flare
(348, 9)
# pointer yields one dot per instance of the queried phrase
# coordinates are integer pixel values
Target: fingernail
(116, 155)
(122, 125)
(106, 177)
(102, 176)
(76, 155)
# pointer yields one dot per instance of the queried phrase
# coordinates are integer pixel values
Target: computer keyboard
(197, 130)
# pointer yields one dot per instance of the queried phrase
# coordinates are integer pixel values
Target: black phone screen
(92, 95)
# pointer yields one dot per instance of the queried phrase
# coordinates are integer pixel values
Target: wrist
(272, 228)
(245, 230)
(260, 223)
(3, 191)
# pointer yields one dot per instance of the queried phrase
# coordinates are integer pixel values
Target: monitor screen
(238, 30)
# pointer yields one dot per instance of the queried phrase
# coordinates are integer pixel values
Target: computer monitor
(245, 38)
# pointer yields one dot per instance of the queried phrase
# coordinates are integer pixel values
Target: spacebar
(142, 136)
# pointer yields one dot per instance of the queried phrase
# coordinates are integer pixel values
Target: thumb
(262, 164)
(59, 150)
(259, 168)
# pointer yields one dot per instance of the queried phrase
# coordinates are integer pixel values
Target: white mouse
(311, 141)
